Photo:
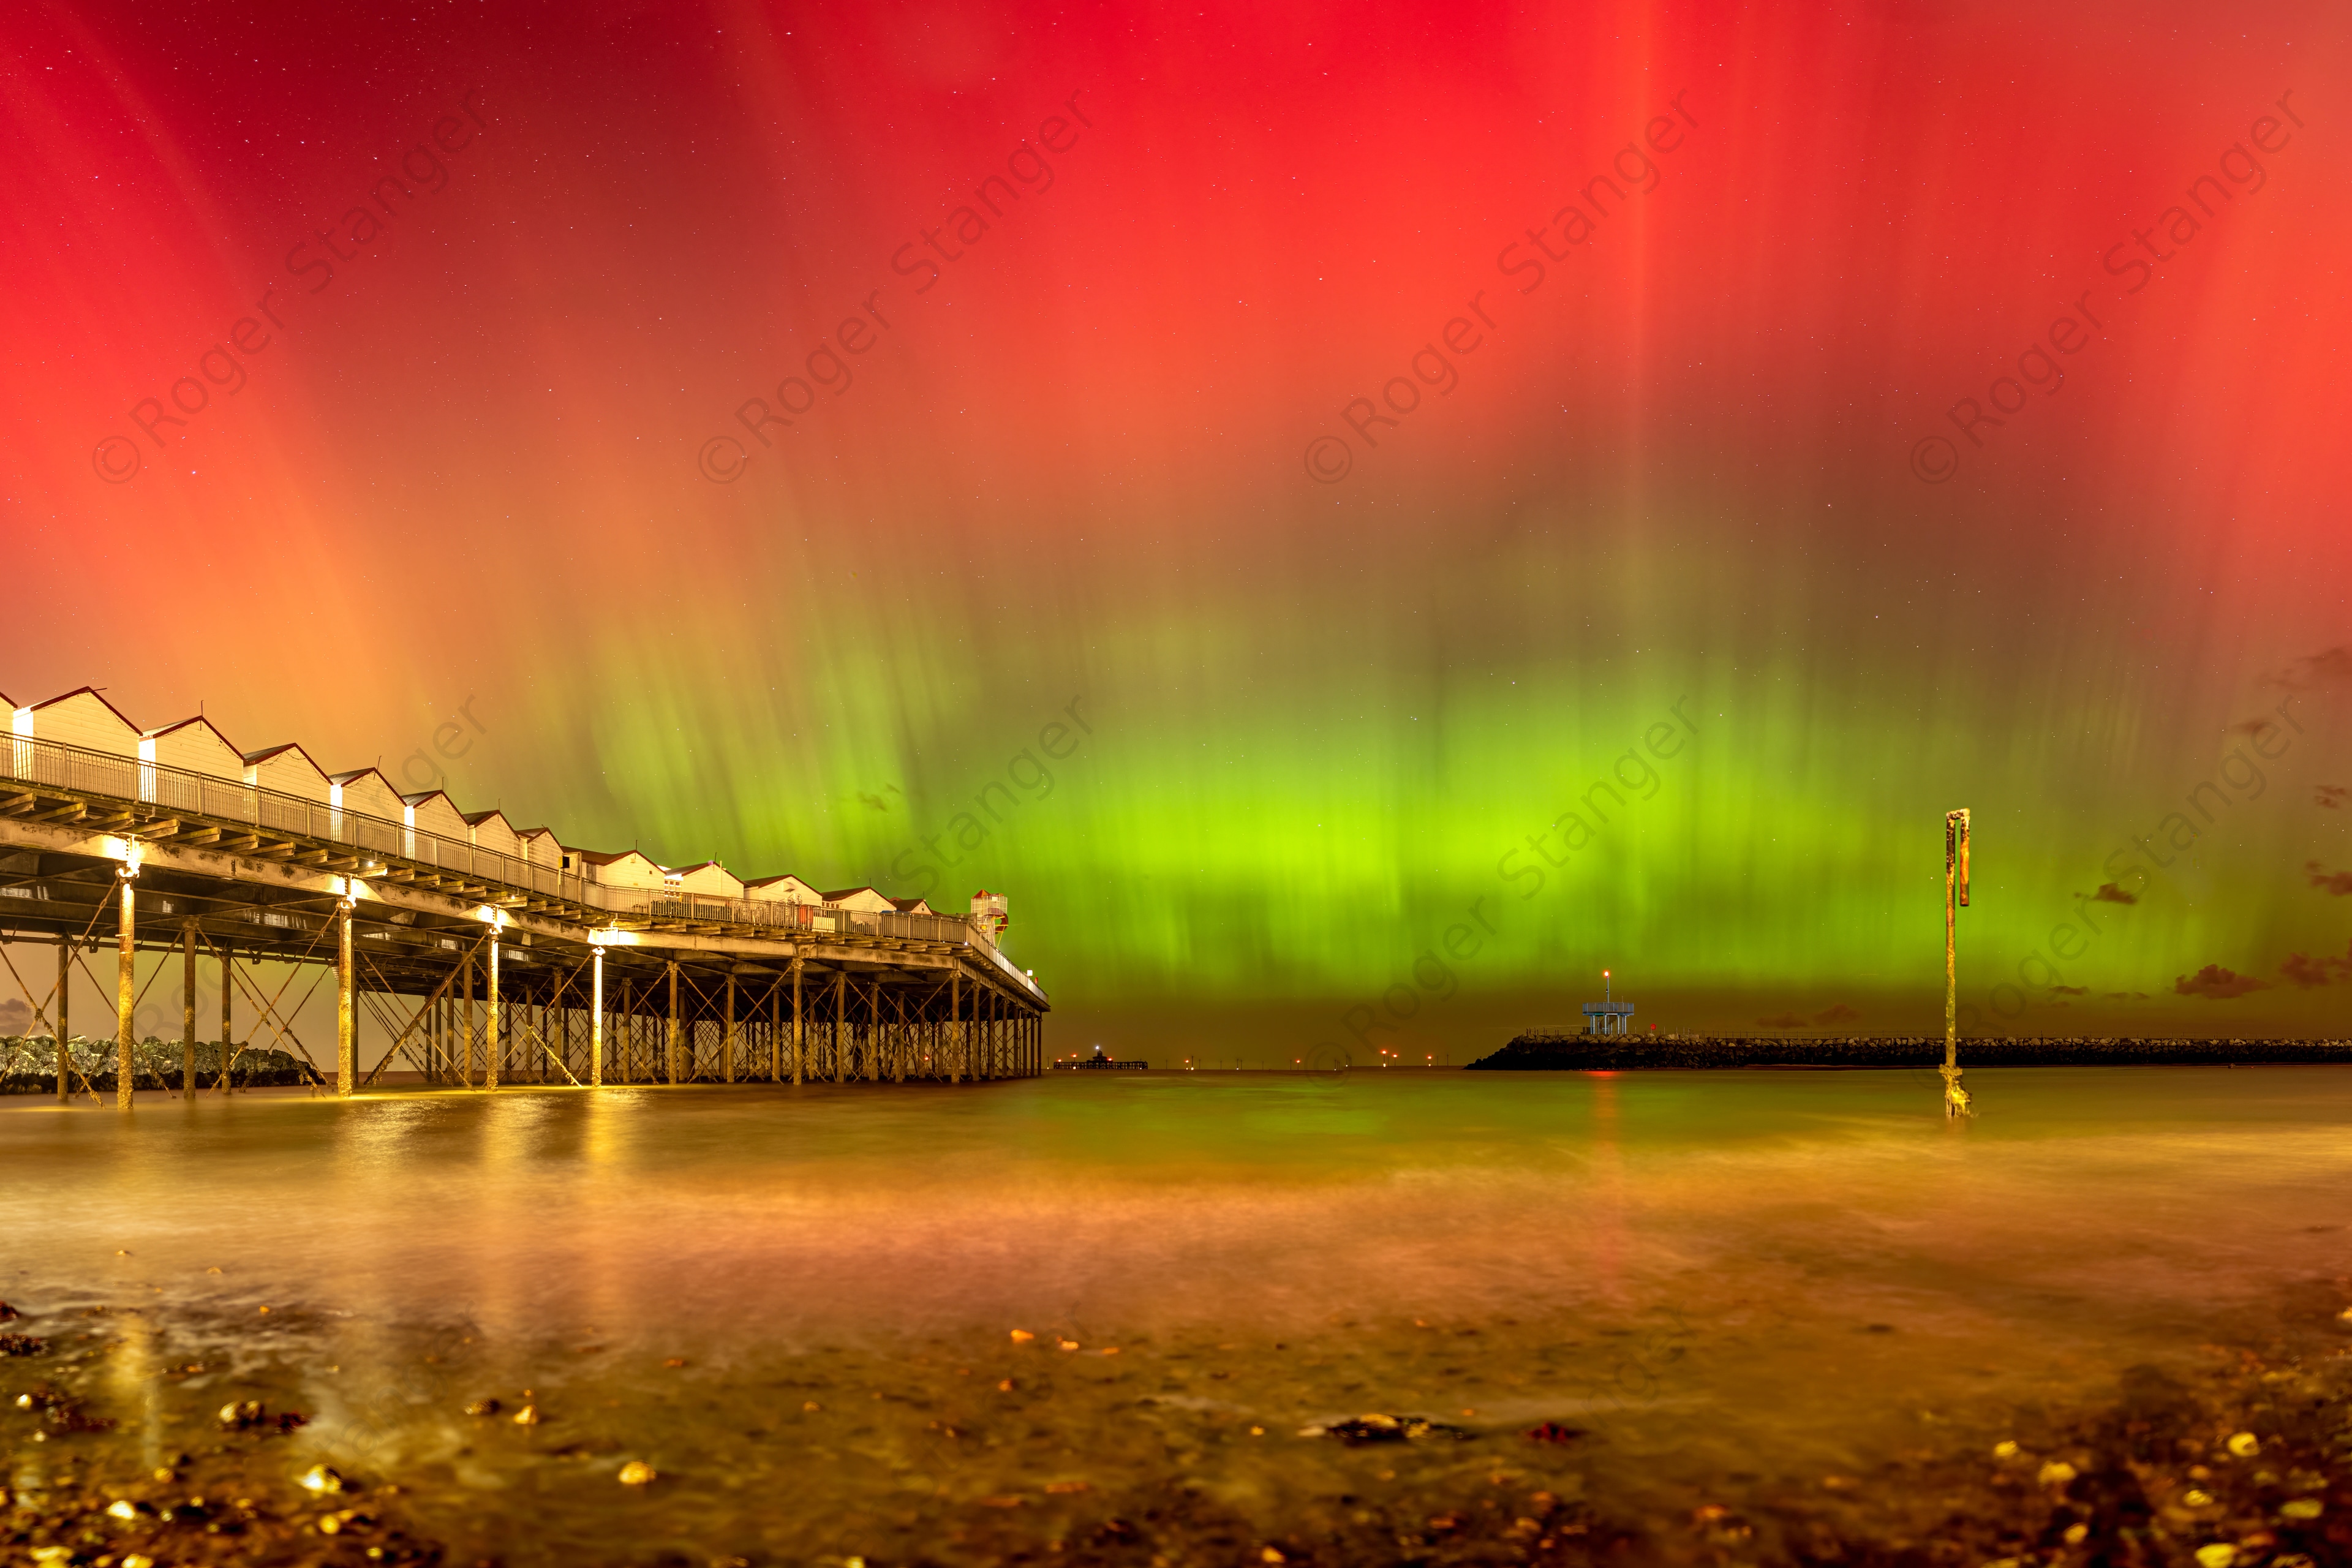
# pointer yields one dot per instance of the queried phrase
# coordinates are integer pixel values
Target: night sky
(1485, 494)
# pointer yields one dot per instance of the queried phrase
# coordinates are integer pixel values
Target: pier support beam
(676, 1030)
(800, 1041)
(955, 1025)
(65, 995)
(596, 1024)
(188, 1009)
(126, 987)
(347, 1041)
(490, 1046)
(727, 1035)
(227, 1047)
(840, 1026)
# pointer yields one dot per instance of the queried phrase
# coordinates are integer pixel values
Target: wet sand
(1786, 1320)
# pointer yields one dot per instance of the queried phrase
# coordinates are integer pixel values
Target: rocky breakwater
(1543, 1051)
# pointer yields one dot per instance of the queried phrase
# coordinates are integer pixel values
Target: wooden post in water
(188, 1009)
(126, 988)
(492, 1046)
(628, 1023)
(871, 1063)
(227, 976)
(465, 1025)
(800, 1041)
(676, 1029)
(775, 1034)
(347, 1043)
(840, 1026)
(596, 1026)
(726, 1036)
(955, 1023)
(1956, 878)
(65, 994)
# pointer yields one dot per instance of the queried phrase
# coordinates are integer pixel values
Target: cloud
(2109, 893)
(2330, 797)
(13, 1016)
(1785, 1021)
(2216, 984)
(1837, 1013)
(2127, 996)
(2338, 883)
(2306, 971)
(2329, 667)
(2070, 991)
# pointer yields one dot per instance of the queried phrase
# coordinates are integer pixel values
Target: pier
(483, 955)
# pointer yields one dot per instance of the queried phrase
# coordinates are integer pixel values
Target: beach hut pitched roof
(914, 907)
(863, 899)
(83, 718)
(196, 744)
(785, 889)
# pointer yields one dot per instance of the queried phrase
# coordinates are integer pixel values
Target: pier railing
(172, 791)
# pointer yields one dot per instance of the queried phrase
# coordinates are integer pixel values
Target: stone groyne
(1598, 1053)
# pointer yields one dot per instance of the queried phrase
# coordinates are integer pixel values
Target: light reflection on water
(1702, 1269)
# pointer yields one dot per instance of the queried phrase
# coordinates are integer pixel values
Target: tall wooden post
(898, 1048)
(870, 1063)
(188, 1009)
(465, 1021)
(65, 995)
(840, 1026)
(955, 1023)
(628, 1027)
(126, 989)
(596, 1024)
(227, 1049)
(491, 1047)
(676, 1035)
(347, 1050)
(800, 1040)
(1956, 866)
(727, 1035)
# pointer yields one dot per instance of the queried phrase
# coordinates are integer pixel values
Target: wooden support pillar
(840, 1026)
(227, 1047)
(899, 1053)
(596, 1026)
(775, 1034)
(188, 1010)
(126, 989)
(872, 1063)
(955, 1023)
(347, 1052)
(800, 1041)
(492, 1047)
(726, 1036)
(628, 1024)
(65, 1027)
(677, 1034)
(466, 1025)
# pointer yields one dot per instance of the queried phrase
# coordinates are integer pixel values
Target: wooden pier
(478, 967)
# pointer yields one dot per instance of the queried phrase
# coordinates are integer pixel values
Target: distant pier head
(1567, 1050)
(472, 951)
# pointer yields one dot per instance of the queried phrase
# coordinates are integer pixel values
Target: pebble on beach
(637, 1473)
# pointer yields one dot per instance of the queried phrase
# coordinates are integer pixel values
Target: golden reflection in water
(1607, 1204)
